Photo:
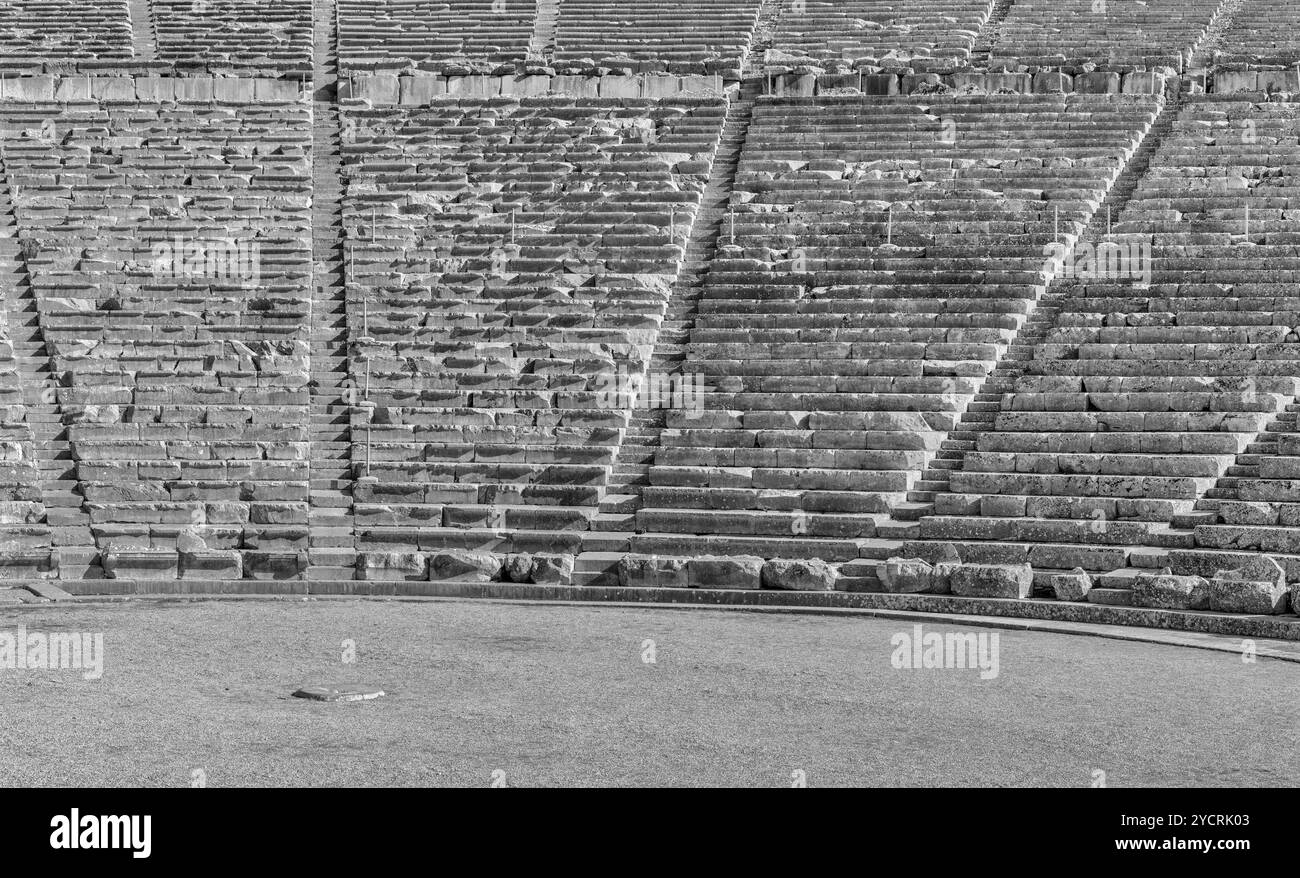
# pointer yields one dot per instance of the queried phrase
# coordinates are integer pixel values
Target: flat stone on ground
(339, 692)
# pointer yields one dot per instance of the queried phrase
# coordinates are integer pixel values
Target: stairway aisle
(332, 548)
(70, 539)
(636, 453)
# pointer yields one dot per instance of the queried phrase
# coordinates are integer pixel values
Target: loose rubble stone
(551, 569)
(1072, 586)
(518, 568)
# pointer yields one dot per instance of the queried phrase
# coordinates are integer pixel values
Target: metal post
(732, 214)
(889, 225)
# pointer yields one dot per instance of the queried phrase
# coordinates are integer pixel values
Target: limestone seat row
(1177, 343)
(508, 266)
(878, 257)
(1104, 33)
(879, 30)
(167, 250)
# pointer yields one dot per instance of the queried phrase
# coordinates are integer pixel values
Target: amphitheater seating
(1142, 397)
(679, 36)
(433, 35)
(885, 252)
(64, 30)
(510, 263)
(273, 36)
(1263, 32)
(881, 30)
(183, 379)
(1109, 34)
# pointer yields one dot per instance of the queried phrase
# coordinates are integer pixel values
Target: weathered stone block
(127, 563)
(907, 575)
(991, 580)
(274, 565)
(462, 565)
(799, 575)
(211, 564)
(1072, 586)
(552, 569)
(1259, 568)
(1164, 591)
(393, 566)
(725, 571)
(518, 568)
(1245, 596)
(652, 571)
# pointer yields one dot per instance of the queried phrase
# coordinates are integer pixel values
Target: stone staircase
(332, 547)
(766, 24)
(1208, 46)
(68, 521)
(982, 50)
(636, 453)
(144, 39)
(542, 43)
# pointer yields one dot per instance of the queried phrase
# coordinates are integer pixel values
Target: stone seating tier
(166, 252)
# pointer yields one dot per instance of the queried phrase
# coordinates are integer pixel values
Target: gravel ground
(538, 695)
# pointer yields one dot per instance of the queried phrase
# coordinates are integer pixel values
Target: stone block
(552, 569)
(1245, 596)
(1072, 586)
(799, 575)
(1164, 591)
(27, 88)
(211, 564)
(907, 575)
(991, 580)
(652, 571)
(130, 563)
(393, 566)
(194, 88)
(381, 89)
(517, 568)
(235, 90)
(1052, 83)
(1142, 82)
(725, 571)
(464, 565)
(1229, 81)
(276, 90)
(274, 565)
(1097, 83)
(1260, 568)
